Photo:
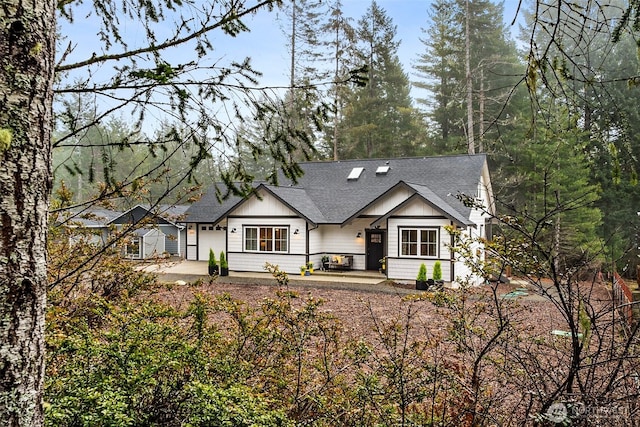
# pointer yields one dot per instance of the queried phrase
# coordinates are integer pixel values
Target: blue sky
(265, 43)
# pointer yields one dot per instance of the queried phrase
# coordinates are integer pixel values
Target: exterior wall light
(359, 235)
(233, 230)
(297, 230)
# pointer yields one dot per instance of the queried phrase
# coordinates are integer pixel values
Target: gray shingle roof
(325, 195)
(209, 209)
(92, 216)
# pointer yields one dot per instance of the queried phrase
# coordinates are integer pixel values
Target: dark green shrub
(422, 273)
(437, 271)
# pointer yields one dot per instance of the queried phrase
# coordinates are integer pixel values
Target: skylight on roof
(382, 170)
(355, 173)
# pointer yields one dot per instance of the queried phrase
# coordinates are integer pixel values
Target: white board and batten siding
(316, 246)
(388, 202)
(255, 262)
(407, 268)
(343, 241)
(479, 217)
(417, 215)
(266, 212)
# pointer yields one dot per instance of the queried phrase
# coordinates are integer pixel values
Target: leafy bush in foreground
(145, 365)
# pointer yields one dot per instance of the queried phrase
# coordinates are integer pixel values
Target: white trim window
(266, 239)
(132, 247)
(419, 242)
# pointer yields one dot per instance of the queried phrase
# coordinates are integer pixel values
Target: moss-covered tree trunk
(27, 33)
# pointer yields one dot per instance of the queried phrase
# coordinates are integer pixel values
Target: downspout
(452, 270)
(226, 243)
(306, 237)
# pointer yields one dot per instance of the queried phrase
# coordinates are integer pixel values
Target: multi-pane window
(410, 242)
(266, 239)
(421, 242)
(250, 239)
(280, 239)
(133, 247)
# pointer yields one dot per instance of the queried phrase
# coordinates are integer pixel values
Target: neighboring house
(160, 230)
(366, 209)
(93, 220)
(150, 232)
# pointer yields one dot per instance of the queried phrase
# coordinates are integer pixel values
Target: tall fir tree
(380, 120)
(439, 73)
(589, 62)
(494, 70)
(302, 27)
(339, 39)
(556, 198)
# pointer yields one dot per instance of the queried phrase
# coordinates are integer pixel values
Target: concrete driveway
(191, 271)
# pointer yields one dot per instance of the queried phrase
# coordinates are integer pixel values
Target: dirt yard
(357, 306)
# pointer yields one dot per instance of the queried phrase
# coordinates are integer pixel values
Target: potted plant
(303, 270)
(421, 279)
(437, 274)
(224, 265)
(383, 265)
(310, 267)
(213, 265)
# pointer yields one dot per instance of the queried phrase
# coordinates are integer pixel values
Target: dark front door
(375, 248)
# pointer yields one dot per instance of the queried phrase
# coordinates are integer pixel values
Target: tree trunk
(336, 78)
(471, 145)
(27, 42)
(481, 112)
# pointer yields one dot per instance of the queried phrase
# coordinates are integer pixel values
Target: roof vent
(355, 174)
(382, 170)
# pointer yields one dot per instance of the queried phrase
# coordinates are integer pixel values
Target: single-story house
(93, 221)
(364, 210)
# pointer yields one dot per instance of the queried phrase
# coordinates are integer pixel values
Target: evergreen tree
(439, 72)
(589, 62)
(555, 193)
(494, 72)
(379, 118)
(304, 18)
(339, 40)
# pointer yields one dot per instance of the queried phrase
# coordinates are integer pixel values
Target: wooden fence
(623, 298)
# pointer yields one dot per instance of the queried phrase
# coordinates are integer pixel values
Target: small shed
(145, 243)
(164, 218)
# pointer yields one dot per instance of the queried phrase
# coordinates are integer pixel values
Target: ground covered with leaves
(272, 354)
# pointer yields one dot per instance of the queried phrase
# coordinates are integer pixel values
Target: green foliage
(235, 406)
(440, 68)
(437, 271)
(422, 273)
(141, 367)
(223, 260)
(163, 73)
(212, 258)
(381, 111)
(281, 277)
